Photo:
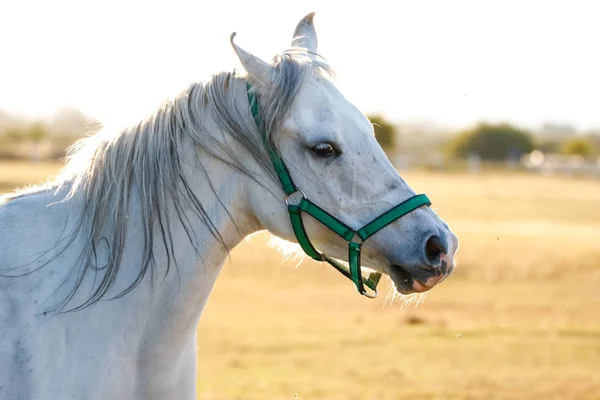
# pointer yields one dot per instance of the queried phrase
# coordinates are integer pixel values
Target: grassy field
(519, 319)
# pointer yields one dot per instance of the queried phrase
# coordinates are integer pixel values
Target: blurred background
(492, 108)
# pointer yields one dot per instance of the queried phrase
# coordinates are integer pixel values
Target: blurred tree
(33, 133)
(578, 146)
(385, 132)
(36, 132)
(547, 145)
(492, 142)
(14, 135)
(594, 139)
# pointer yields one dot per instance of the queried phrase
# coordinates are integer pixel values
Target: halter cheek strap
(354, 237)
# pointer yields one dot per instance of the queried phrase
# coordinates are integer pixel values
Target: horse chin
(405, 283)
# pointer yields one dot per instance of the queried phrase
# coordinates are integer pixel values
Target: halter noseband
(354, 237)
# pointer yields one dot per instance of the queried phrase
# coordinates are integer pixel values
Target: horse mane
(146, 159)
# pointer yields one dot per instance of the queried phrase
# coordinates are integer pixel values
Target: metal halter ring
(287, 198)
(370, 295)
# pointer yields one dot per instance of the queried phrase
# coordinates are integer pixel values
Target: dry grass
(519, 319)
(16, 174)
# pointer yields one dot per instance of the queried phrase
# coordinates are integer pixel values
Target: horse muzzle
(420, 279)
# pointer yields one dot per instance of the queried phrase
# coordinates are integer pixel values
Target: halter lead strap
(352, 272)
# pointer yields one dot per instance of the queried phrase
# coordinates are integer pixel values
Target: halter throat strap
(296, 207)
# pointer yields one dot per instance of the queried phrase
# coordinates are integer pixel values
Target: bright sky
(448, 62)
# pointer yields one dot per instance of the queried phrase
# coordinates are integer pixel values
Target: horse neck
(162, 312)
(181, 296)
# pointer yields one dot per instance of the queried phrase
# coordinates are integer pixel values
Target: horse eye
(324, 150)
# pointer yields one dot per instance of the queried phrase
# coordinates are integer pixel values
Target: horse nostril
(433, 248)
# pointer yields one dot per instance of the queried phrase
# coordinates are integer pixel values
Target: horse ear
(254, 66)
(305, 35)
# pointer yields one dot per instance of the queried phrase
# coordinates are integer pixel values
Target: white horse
(104, 272)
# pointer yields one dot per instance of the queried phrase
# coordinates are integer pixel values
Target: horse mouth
(407, 283)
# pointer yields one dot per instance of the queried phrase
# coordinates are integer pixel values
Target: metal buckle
(372, 278)
(287, 198)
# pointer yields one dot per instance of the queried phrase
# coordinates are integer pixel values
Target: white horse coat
(104, 272)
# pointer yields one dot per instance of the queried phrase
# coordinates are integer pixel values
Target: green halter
(304, 205)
